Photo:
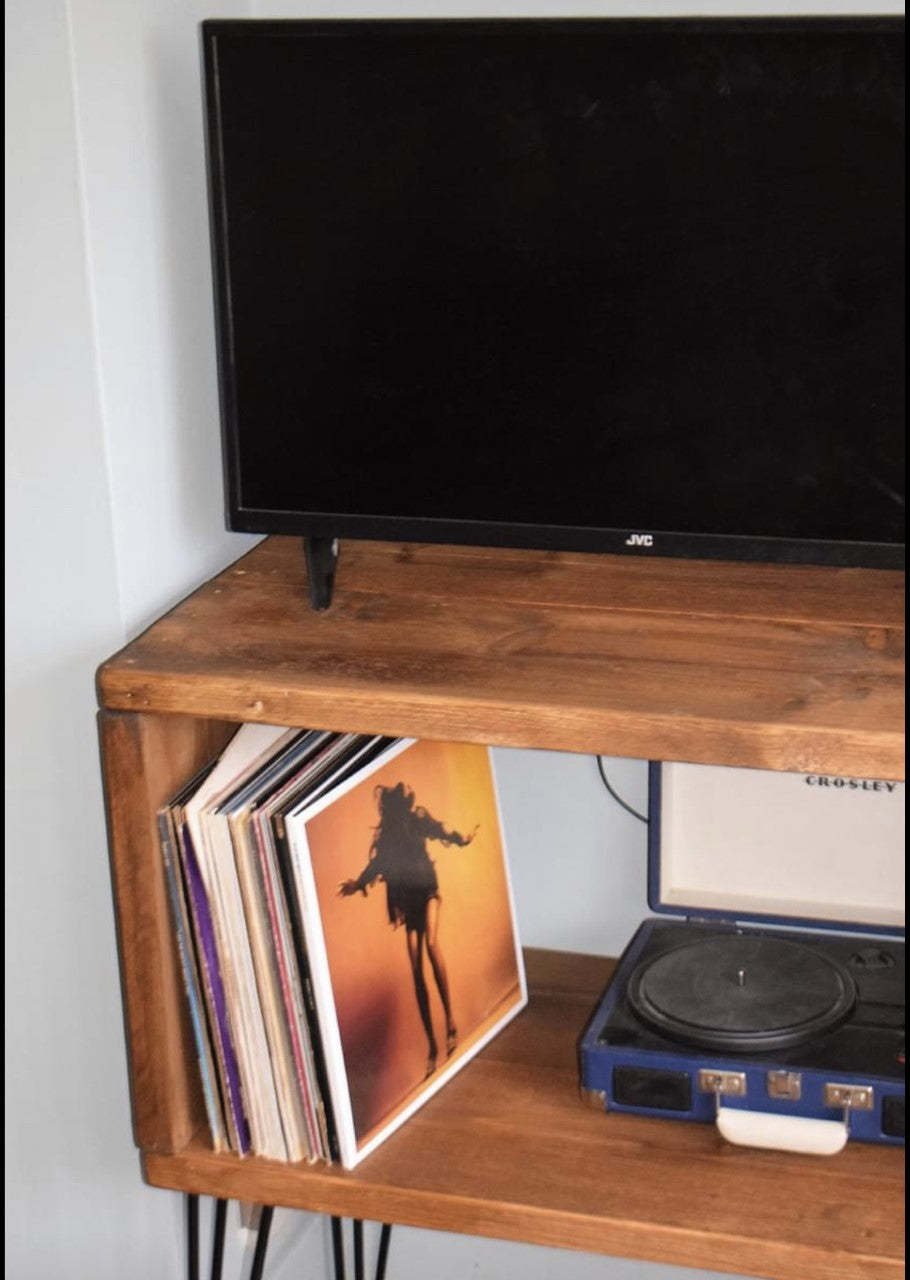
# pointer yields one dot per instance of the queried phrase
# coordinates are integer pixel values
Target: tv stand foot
(321, 559)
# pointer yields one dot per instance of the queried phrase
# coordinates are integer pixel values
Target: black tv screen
(607, 285)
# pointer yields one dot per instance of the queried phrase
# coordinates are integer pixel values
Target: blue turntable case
(766, 994)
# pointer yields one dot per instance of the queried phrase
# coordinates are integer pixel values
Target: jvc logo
(640, 540)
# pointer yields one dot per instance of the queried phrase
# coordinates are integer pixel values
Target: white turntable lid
(755, 844)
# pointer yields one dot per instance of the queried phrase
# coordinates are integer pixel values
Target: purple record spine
(206, 938)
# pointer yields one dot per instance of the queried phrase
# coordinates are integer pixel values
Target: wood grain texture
(145, 760)
(508, 1150)
(793, 667)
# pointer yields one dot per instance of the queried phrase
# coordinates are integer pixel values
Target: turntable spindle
(741, 977)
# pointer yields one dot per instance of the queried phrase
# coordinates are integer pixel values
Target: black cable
(619, 800)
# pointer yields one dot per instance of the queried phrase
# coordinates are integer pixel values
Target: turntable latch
(785, 1084)
(852, 1097)
(729, 1083)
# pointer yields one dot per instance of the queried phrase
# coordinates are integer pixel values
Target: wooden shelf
(507, 1149)
(788, 668)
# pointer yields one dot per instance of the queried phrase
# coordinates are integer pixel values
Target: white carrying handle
(782, 1133)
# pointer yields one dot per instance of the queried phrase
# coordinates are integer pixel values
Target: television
(631, 286)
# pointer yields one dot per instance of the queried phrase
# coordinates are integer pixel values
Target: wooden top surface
(784, 667)
(507, 1149)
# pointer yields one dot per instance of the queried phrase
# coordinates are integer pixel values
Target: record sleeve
(403, 886)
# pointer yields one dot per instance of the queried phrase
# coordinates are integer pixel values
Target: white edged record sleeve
(407, 909)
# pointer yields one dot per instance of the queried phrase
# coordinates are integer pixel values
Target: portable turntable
(775, 1006)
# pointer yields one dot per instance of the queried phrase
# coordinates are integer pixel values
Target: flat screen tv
(631, 286)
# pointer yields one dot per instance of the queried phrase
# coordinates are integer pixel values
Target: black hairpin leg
(383, 1250)
(192, 1237)
(262, 1242)
(218, 1238)
(338, 1249)
(220, 1216)
(358, 1249)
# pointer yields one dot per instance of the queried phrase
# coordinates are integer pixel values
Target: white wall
(90, 386)
(114, 511)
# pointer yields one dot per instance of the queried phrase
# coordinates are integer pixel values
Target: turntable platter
(742, 992)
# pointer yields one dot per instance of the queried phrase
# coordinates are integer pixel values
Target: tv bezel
(326, 526)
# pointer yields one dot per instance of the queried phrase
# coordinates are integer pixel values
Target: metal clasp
(785, 1084)
(722, 1083)
(851, 1097)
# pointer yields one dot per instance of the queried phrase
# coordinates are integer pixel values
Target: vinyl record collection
(313, 1023)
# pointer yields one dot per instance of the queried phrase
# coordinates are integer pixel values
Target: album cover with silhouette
(406, 901)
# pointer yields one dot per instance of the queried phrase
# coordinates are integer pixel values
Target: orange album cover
(410, 928)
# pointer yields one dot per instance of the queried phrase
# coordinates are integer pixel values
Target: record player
(767, 996)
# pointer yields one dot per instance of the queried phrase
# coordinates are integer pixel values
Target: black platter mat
(742, 991)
